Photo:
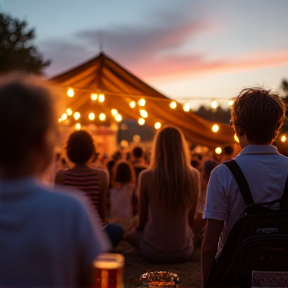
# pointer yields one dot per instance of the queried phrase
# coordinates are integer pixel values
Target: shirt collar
(259, 149)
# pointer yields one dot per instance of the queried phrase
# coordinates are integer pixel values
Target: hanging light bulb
(94, 96)
(157, 125)
(142, 102)
(91, 116)
(102, 116)
(230, 103)
(69, 111)
(78, 126)
(60, 120)
(214, 104)
(114, 112)
(101, 98)
(186, 107)
(76, 115)
(143, 113)
(70, 92)
(141, 121)
(173, 105)
(215, 128)
(283, 138)
(118, 118)
(132, 104)
(64, 116)
(218, 150)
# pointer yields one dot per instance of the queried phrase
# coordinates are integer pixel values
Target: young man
(48, 238)
(257, 116)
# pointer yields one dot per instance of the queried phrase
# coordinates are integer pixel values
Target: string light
(94, 96)
(102, 116)
(186, 107)
(283, 138)
(141, 121)
(118, 118)
(132, 104)
(142, 102)
(91, 116)
(60, 120)
(114, 112)
(69, 111)
(173, 105)
(157, 125)
(218, 150)
(101, 98)
(64, 116)
(78, 126)
(230, 103)
(143, 113)
(236, 138)
(76, 115)
(215, 128)
(70, 92)
(214, 104)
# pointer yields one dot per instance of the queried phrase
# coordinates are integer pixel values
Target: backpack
(257, 242)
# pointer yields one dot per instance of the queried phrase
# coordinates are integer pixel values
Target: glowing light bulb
(142, 102)
(186, 107)
(141, 121)
(60, 120)
(173, 105)
(283, 138)
(218, 150)
(215, 128)
(214, 104)
(114, 112)
(78, 126)
(102, 116)
(236, 138)
(118, 118)
(101, 98)
(76, 115)
(70, 92)
(230, 103)
(64, 116)
(132, 104)
(91, 116)
(157, 125)
(143, 113)
(69, 111)
(94, 96)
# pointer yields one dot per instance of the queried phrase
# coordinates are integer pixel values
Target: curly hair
(80, 147)
(259, 113)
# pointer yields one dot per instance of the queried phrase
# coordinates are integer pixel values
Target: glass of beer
(108, 271)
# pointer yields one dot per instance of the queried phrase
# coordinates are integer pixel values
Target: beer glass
(108, 271)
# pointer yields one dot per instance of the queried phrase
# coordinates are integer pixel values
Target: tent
(102, 75)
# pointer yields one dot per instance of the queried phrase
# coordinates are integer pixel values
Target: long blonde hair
(176, 189)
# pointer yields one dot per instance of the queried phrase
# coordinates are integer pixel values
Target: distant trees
(219, 114)
(17, 51)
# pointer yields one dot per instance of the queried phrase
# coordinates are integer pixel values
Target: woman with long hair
(168, 195)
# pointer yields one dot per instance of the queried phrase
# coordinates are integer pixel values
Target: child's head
(123, 172)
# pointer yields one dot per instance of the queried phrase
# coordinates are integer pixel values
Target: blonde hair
(170, 160)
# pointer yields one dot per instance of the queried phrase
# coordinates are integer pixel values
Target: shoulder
(60, 176)
(146, 174)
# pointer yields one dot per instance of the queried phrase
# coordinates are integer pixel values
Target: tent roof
(103, 75)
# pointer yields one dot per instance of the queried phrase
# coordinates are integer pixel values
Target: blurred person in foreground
(168, 192)
(48, 237)
(257, 116)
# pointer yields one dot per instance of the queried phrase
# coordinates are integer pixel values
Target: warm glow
(70, 92)
(60, 120)
(101, 98)
(186, 107)
(214, 104)
(76, 115)
(94, 96)
(142, 102)
(236, 138)
(114, 112)
(231, 102)
(173, 105)
(157, 125)
(91, 116)
(78, 126)
(118, 118)
(144, 113)
(102, 116)
(215, 128)
(218, 150)
(136, 138)
(141, 121)
(69, 111)
(132, 104)
(283, 138)
(64, 116)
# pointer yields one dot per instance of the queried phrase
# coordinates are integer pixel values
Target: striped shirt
(87, 182)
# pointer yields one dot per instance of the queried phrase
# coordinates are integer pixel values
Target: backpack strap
(242, 182)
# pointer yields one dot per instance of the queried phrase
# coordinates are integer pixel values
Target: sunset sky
(187, 49)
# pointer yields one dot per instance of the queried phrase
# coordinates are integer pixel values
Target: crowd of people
(162, 204)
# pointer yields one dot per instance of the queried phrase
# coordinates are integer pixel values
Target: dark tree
(17, 51)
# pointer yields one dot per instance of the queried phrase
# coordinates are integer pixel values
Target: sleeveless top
(87, 182)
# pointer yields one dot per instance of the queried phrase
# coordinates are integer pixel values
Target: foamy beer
(108, 271)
